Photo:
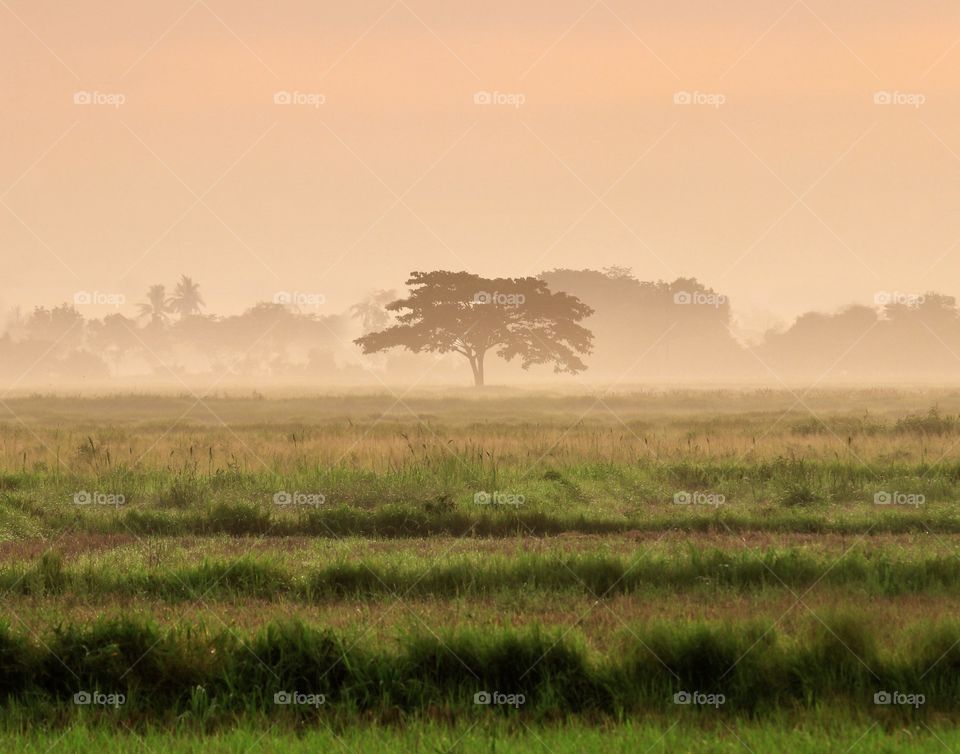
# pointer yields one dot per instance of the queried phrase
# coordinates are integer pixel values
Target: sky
(794, 155)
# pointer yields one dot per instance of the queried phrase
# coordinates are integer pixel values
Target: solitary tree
(470, 315)
(186, 299)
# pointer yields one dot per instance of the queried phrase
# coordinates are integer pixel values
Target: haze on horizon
(793, 155)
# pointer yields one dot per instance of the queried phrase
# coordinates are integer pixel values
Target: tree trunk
(476, 365)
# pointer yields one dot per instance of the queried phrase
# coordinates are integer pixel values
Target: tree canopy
(471, 315)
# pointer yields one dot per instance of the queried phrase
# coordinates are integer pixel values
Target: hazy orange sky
(793, 189)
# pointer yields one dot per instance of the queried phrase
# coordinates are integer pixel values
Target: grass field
(702, 571)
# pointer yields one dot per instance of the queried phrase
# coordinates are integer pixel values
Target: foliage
(464, 313)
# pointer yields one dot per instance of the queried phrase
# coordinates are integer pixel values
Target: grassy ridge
(428, 736)
(758, 670)
(423, 495)
(458, 575)
(407, 521)
(451, 476)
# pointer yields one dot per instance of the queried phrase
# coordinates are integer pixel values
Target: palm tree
(156, 306)
(372, 311)
(186, 299)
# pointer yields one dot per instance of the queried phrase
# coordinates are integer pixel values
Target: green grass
(695, 597)
(430, 737)
(438, 495)
(458, 575)
(407, 521)
(758, 669)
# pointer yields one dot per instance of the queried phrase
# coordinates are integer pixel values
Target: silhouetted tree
(113, 336)
(470, 315)
(911, 337)
(186, 299)
(156, 307)
(372, 311)
(655, 330)
(62, 327)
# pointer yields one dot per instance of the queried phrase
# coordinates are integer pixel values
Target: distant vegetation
(601, 326)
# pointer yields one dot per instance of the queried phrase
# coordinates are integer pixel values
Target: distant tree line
(170, 338)
(649, 331)
(604, 326)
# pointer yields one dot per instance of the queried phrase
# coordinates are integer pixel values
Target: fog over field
(628, 332)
